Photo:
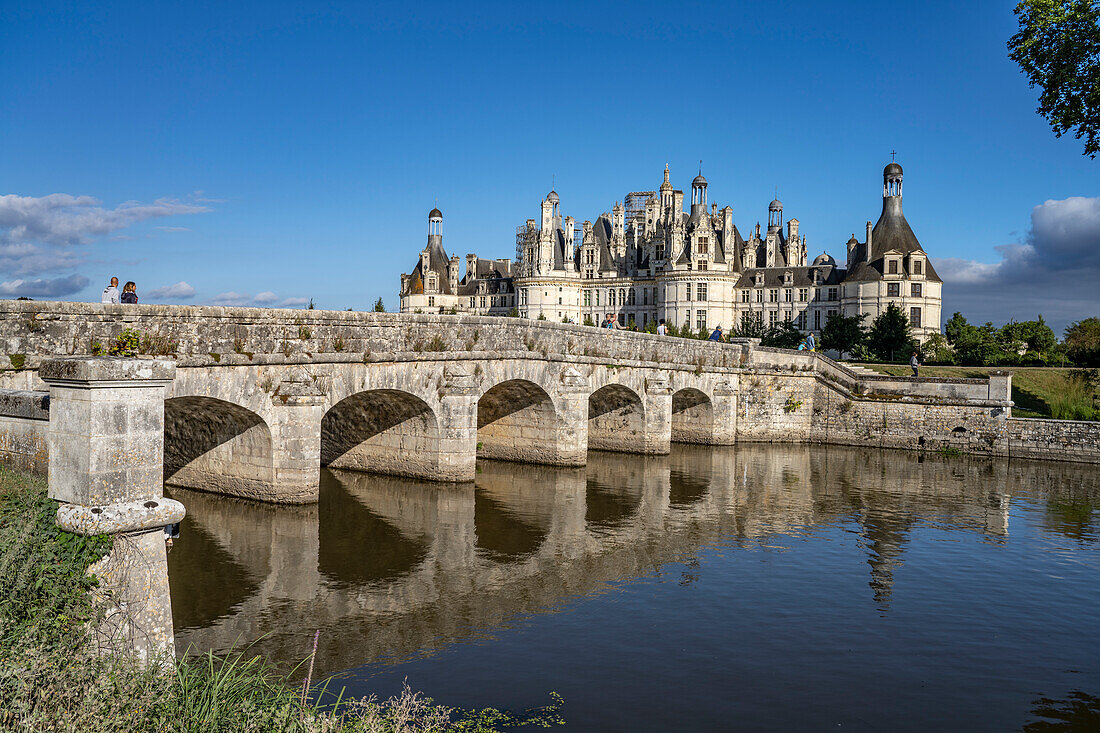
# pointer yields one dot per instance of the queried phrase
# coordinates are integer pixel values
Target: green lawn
(1033, 388)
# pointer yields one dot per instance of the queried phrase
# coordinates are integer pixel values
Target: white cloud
(1054, 272)
(292, 302)
(44, 288)
(179, 291)
(63, 219)
(174, 229)
(266, 297)
(231, 298)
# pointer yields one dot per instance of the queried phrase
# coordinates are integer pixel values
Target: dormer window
(892, 266)
(918, 267)
(787, 278)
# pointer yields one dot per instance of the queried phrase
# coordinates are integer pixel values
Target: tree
(752, 326)
(974, 345)
(843, 333)
(1083, 342)
(783, 335)
(379, 306)
(936, 350)
(1033, 340)
(889, 338)
(1058, 47)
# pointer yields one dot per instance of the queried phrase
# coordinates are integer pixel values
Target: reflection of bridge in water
(391, 567)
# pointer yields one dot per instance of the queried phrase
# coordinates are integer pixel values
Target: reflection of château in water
(392, 567)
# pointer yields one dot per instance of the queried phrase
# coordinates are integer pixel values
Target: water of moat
(756, 587)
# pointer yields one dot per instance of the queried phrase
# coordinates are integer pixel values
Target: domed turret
(435, 224)
(891, 180)
(699, 181)
(552, 197)
(824, 259)
(698, 195)
(775, 214)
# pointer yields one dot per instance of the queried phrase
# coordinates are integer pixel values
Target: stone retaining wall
(24, 420)
(1064, 440)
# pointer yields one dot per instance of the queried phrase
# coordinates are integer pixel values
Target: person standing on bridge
(662, 329)
(129, 292)
(716, 335)
(110, 293)
(914, 362)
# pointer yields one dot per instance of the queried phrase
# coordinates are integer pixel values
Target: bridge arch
(616, 420)
(517, 421)
(216, 445)
(382, 431)
(692, 417)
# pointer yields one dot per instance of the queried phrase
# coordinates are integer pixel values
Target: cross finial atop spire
(892, 154)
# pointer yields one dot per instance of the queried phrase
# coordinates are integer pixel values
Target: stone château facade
(652, 261)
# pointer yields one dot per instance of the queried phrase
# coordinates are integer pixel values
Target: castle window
(473, 301)
(687, 291)
(892, 267)
(522, 296)
(702, 264)
(773, 295)
(914, 317)
(632, 297)
(802, 321)
(700, 320)
(773, 318)
(788, 295)
(916, 290)
(803, 294)
(660, 251)
(832, 294)
(918, 267)
(893, 290)
(597, 294)
(622, 297)
(829, 315)
(759, 296)
(431, 301)
(483, 301)
(588, 297)
(701, 291)
(745, 295)
(817, 320)
(645, 296)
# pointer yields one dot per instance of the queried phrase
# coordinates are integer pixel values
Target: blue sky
(273, 152)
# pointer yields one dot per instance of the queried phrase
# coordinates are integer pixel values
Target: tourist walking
(914, 362)
(662, 329)
(110, 293)
(129, 292)
(716, 335)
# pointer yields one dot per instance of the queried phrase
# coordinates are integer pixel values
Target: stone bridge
(262, 398)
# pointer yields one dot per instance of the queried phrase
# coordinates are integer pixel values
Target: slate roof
(891, 233)
(437, 263)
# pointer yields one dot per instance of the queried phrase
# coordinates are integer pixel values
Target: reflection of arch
(214, 445)
(355, 545)
(502, 535)
(516, 421)
(616, 420)
(692, 417)
(610, 506)
(384, 431)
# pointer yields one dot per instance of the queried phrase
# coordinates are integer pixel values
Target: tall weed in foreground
(1075, 401)
(51, 679)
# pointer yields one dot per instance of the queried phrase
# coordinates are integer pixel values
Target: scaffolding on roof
(634, 203)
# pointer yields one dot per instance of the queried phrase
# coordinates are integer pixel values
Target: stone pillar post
(458, 425)
(724, 411)
(299, 402)
(573, 414)
(658, 415)
(106, 442)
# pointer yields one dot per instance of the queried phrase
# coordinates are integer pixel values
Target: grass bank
(52, 680)
(1065, 394)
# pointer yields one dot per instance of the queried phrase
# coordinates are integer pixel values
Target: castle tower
(698, 196)
(666, 192)
(775, 215)
(435, 226)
